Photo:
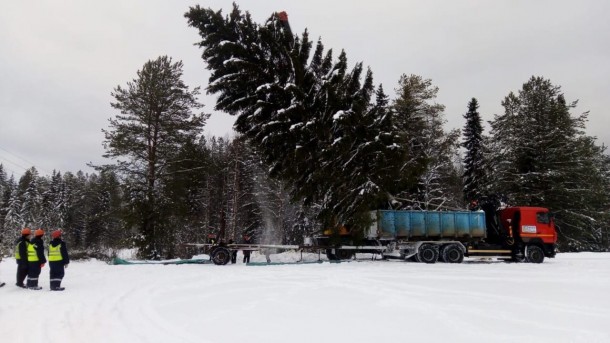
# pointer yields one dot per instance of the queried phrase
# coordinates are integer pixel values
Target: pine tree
(4, 199)
(52, 201)
(185, 191)
(543, 158)
(73, 214)
(243, 184)
(13, 220)
(104, 224)
(219, 209)
(431, 150)
(474, 165)
(31, 205)
(10, 218)
(156, 119)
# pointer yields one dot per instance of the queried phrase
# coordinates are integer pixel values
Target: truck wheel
(534, 254)
(427, 253)
(453, 254)
(343, 254)
(221, 256)
(441, 252)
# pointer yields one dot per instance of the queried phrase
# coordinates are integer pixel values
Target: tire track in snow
(139, 315)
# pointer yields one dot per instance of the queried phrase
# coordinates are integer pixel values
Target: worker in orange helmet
(21, 256)
(58, 260)
(36, 259)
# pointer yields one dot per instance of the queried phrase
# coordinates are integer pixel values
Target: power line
(8, 169)
(19, 157)
(22, 159)
(13, 163)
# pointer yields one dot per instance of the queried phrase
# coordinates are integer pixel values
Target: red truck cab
(530, 227)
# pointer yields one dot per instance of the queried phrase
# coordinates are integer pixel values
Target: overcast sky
(61, 59)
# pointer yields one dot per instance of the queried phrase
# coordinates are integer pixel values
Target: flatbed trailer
(421, 251)
(220, 254)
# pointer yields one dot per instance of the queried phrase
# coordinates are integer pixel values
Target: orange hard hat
(26, 232)
(56, 234)
(38, 232)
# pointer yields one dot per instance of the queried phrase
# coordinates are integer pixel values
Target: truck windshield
(543, 217)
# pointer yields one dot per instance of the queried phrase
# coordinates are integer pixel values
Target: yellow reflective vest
(17, 254)
(55, 253)
(32, 255)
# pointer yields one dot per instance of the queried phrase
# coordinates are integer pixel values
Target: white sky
(60, 60)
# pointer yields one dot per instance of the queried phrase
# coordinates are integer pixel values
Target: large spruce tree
(310, 117)
(156, 118)
(474, 166)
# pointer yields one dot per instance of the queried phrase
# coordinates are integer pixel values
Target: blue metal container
(430, 224)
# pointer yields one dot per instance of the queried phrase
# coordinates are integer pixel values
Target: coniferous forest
(318, 145)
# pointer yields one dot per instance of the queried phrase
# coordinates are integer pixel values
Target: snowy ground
(566, 299)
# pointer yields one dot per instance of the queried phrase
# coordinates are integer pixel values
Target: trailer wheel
(427, 253)
(221, 256)
(534, 254)
(453, 254)
(331, 255)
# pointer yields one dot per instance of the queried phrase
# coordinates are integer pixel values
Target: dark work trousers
(57, 273)
(33, 274)
(234, 256)
(22, 272)
(246, 256)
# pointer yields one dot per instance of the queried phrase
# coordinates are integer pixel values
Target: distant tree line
(318, 146)
(220, 187)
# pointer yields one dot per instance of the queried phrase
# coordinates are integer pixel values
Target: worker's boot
(56, 285)
(33, 284)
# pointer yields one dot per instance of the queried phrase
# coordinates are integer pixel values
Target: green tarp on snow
(120, 261)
